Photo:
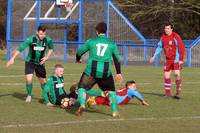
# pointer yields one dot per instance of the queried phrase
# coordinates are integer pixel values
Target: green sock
(29, 87)
(82, 96)
(42, 86)
(113, 101)
(95, 92)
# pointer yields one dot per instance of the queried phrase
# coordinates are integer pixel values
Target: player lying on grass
(93, 97)
(124, 96)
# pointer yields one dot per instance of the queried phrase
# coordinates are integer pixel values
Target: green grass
(164, 115)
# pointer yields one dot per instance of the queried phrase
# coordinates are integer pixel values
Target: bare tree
(149, 15)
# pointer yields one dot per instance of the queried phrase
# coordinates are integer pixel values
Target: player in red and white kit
(174, 51)
(124, 96)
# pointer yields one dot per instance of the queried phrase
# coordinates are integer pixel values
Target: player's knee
(42, 81)
(29, 80)
(167, 75)
(177, 75)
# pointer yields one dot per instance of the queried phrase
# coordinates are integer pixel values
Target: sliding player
(124, 96)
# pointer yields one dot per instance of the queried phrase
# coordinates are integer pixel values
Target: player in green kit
(38, 44)
(98, 69)
(53, 91)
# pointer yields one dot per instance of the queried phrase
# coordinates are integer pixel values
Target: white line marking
(14, 76)
(94, 121)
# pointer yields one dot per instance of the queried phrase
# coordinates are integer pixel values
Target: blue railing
(146, 43)
(189, 49)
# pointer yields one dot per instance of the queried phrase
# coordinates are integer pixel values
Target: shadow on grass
(88, 109)
(41, 101)
(4, 95)
(19, 96)
(22, 96)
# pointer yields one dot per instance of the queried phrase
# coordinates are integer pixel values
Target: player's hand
(10, 62)
(145, 103)
(119, 78)
(43, 60)
(78, 61)
(151, 60)
(49, 104)
(181, 62)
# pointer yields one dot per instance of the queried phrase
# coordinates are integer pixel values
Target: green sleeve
(46, 90)
(116, 53)
(83, 49)
(25, 44)
(50, 44)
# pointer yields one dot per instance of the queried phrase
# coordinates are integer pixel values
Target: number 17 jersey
(101, 51)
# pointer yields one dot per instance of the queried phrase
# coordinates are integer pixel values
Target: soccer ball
(65, 103)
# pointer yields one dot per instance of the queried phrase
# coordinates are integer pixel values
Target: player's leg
(29, 87)
(99, 100)
(29, 70)
(42, 82)
(85, 83)
(41, 74)
(95, 92)
(167, 79)
(107, 84)
(177, 72)
(167, 84)
(95, 97)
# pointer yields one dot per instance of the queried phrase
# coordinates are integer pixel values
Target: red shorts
(170, 65)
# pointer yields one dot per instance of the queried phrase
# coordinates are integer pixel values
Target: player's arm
(45, 92)
(116, 59)
(82, 50)
(181, 49)
(158, 51)
(18, 51)
(121, 92)
(50, 51)
(138, 95)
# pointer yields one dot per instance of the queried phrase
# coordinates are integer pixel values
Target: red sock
(167, 87)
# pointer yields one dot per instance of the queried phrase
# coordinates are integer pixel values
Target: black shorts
(39, 69)
(105, 84)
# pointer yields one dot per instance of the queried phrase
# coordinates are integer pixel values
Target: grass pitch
(164, 115)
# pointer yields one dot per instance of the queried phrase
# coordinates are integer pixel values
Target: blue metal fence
(145, 44)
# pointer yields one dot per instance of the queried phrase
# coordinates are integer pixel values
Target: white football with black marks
(65, 102)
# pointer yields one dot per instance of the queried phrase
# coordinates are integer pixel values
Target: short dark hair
(101, 28)
(42, 28)
(129, 83)
(169, 24)
(58, 66)
(74, 87)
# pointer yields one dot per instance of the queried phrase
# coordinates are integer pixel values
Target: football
(65, 103)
